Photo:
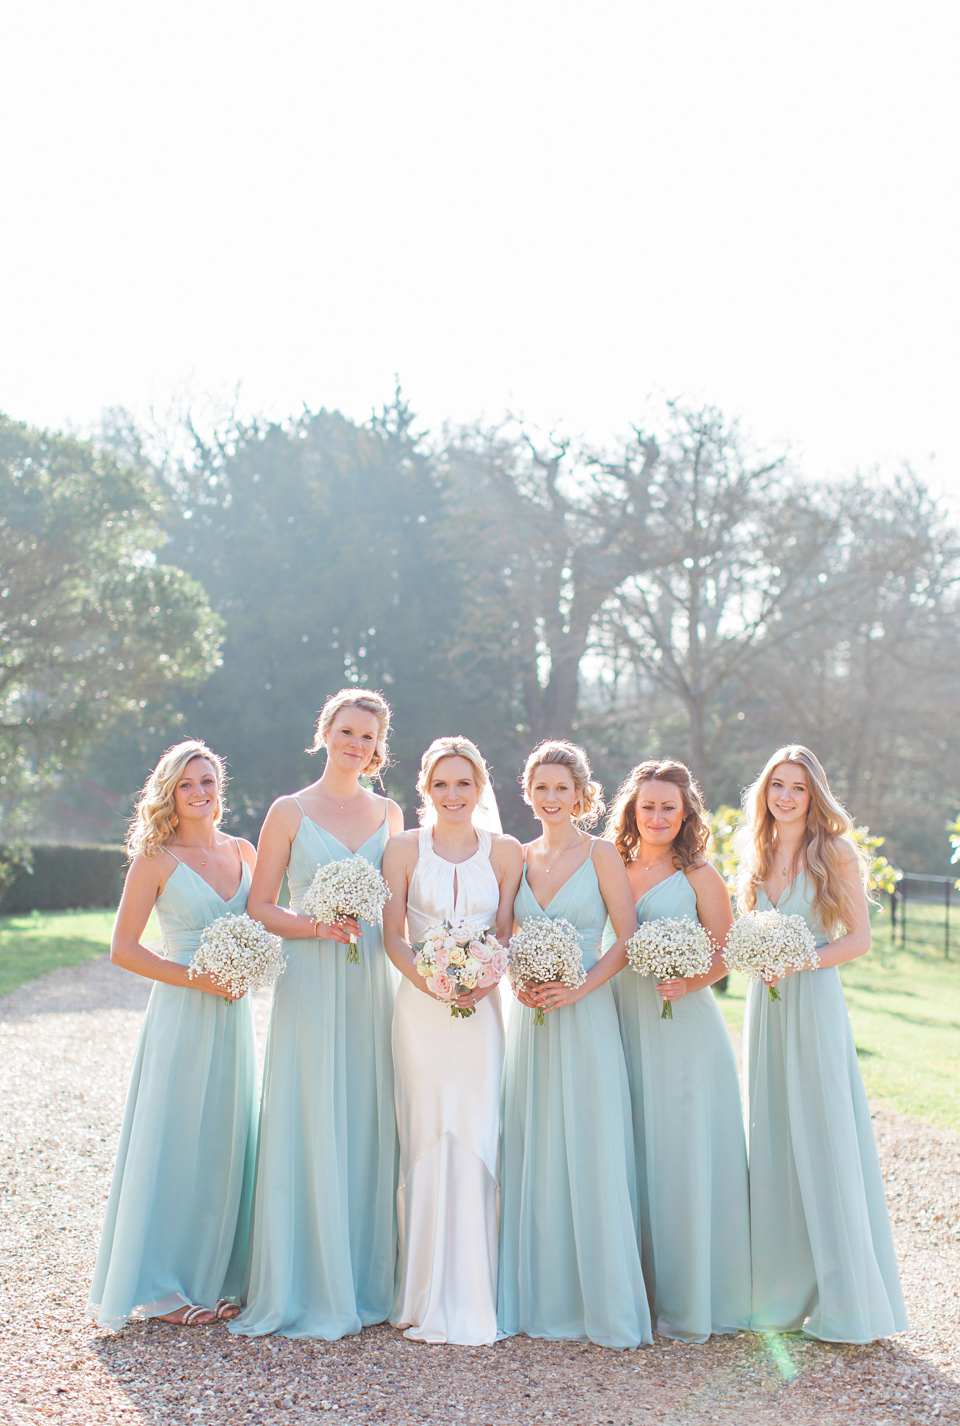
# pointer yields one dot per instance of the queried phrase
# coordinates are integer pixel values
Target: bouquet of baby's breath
(543, 950)
(239, 953)
(458, 958)
(765, 945)
(352, 887)
(667, 948)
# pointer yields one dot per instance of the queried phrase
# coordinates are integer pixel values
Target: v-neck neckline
(563, 884)
(325, 831)
(775, 905)
(224, 899)
(656, 886)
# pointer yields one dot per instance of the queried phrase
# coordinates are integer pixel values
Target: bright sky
(554, 208)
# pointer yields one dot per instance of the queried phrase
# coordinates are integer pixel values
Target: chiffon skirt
(691, 1160)
(178, 1211)
(323, 1236)
(569, 1260)
(823, 1257)
(448, 1076)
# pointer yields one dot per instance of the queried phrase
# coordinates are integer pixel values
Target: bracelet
(316, 922)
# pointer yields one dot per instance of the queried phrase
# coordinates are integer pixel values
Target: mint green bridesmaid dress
(324, 1233)
(823, 1256)
(690, 1146)
(569, 1260)
(178, 1213)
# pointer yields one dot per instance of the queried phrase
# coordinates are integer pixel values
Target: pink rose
(442, 986)
(442, 958)
(481, 952)
(489, 977)
(499, 963)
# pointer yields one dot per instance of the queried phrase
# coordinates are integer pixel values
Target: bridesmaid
(687, 1117)
(448, 1069)
(174, 1242)
(323, 1238)
(569, 1260)
(823, 1256)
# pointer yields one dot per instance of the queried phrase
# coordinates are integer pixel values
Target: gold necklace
(177, 844)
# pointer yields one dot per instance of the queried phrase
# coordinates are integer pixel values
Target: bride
(447, 1069)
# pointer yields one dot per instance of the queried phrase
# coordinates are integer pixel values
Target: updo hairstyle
(691, 841)
(453, 746)
(559, 753)
(374, 703)
(155, 819)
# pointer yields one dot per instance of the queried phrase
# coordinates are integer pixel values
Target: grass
(904, 1002)
(904, 1006)
(39, 941)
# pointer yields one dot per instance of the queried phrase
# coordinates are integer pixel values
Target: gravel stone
(66, 1043)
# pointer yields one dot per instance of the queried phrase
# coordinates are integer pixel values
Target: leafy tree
(320, 542)
(91, 625)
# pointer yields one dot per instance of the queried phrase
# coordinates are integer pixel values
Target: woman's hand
(210, 986)
(553, 995)
(471, 998)
(524, 994)
(338, 930)
(673, 989)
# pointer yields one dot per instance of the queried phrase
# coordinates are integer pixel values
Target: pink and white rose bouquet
(459, 958)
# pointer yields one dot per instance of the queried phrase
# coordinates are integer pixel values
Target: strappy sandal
(226, 1309)
(191, 1316)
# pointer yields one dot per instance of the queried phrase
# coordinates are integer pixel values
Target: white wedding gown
(447, 1075)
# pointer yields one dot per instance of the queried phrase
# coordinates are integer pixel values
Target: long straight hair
(828, 823)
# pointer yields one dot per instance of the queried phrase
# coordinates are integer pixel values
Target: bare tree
(553, 535)
(746, 563)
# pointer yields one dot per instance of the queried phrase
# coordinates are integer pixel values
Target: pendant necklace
(573, 843)
(341, 805)
(661, 861)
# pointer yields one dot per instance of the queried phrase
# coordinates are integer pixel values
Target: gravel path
(66, 1042)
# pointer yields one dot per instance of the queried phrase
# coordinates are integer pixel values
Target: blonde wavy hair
(828, 823)
(154, 820)
(453, 746)
(690, 843)
(370, 702)
(558, 752)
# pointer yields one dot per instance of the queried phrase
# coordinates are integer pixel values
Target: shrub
(65, 877)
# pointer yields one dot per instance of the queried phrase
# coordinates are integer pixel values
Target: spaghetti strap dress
(448, 1075)
(690, 1147)
(569, 1258)
(324, 1233)
(177, 1217)
(822, 1248)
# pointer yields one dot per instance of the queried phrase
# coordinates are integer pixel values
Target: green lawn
(905, 1009)
(904, 1003)
(40, 941)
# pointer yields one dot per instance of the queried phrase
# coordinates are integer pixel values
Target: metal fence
(920, 910)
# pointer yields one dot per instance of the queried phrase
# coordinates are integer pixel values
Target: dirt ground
(66, 1043)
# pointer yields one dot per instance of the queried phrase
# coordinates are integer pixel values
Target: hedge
(66, 877)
